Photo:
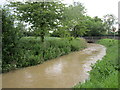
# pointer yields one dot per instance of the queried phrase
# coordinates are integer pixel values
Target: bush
(104, 73)
(76, 45)
(33, 51)
(10, 41)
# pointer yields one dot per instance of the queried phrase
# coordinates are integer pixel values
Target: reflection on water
(62, 72)
(55, 69)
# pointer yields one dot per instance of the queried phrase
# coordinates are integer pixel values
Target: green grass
(104, 73)
(32, 51)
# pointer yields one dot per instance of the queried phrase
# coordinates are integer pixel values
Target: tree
(79, 29)
(60, 33)
(43, 16)
(10, 40)
(109, 21)
(74, 19)
(95, 26)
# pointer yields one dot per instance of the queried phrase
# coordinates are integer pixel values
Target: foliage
(95, 26)
(110, 21)
(10, 40)
(73, 19)
(43, 16)
(104, 73)
(35, 52)
(60, 33)
(79, 30)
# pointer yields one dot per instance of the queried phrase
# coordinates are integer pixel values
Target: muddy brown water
(62, 72)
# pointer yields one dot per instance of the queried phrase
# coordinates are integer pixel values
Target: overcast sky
(95, 7)
(99, 7)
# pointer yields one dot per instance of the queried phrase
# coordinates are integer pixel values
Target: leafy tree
(79, 29)
(43, 16)
(74, 19)
(74, 11)
(95, 26)
(109, 21)
(10, 40)
(60, 33)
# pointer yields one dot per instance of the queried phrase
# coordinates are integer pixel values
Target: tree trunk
(43, 32)
(42, 37)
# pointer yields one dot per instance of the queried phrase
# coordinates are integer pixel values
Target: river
(61, 72)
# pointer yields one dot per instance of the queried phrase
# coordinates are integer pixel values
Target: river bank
(31, 51)
(62, 72)
(104, 73)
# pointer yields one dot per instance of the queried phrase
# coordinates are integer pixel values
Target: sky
(99, 7)
(94, 7)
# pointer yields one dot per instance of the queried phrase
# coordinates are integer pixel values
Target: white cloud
(2, 2)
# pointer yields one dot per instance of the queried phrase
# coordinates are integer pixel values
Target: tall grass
(104, 73)
(33, 51)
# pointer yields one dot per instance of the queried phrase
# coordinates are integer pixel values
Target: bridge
(93, 39)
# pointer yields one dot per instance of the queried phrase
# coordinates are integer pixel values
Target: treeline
(62, 20)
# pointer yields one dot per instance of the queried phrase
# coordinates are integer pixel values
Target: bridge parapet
(93, 39)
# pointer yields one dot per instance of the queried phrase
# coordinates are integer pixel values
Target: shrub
(10, 41)
(33, 51)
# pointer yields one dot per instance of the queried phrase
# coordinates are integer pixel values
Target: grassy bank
(32, 51)
(104, 73)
